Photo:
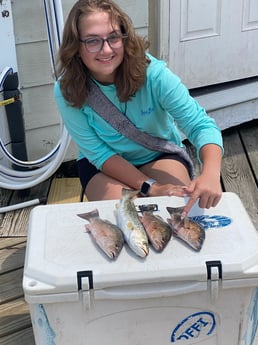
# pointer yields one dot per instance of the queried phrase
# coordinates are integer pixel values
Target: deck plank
(15, 223)
(23, 337)
(64, 190)
(12, 258)
(14, 316)
(249, 136)
(5, 196)
(11, 285)
(237, 176)
(7, 242)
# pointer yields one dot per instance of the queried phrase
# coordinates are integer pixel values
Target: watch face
(145, 188)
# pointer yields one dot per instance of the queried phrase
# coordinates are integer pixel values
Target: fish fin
(159, 218)
(108, 221)
(89, 215)
(87, 228)
(170, 222)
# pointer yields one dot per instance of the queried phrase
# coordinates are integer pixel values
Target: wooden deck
(239, 174)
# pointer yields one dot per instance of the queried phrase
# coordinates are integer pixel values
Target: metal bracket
(210, 264)
(84, 274)
(214, 276)
(85, 287)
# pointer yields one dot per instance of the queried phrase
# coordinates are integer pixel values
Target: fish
(158, 230)
(108, 236)
(189, 231)
(129, 222)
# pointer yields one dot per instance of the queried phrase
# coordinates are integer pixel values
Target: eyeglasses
(95, 44)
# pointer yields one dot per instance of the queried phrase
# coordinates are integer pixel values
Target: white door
(209, 41)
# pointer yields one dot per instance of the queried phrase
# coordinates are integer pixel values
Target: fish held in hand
(107, 235)
(158, 231)
(186, 229)
(129, 223)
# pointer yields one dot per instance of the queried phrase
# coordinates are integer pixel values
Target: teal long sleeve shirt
(162, 107)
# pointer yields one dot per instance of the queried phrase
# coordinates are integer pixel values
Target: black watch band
(146, 187)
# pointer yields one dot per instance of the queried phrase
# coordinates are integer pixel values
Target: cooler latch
(214, 278)
(85, 287)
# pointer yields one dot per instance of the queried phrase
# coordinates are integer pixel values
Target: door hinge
(85, 287)
(214, 278)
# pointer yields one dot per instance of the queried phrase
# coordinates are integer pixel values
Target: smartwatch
(146, 187)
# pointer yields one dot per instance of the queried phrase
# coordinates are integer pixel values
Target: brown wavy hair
(74, 74)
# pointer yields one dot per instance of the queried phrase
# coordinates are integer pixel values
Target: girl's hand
(207, 189)
(157, 189)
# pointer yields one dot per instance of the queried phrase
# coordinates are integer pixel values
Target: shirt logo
(147, 112)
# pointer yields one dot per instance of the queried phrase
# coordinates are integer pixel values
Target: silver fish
(158, 231)
(186, 229)
(129, 223)
(107, 235)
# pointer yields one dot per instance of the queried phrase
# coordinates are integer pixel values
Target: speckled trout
(107, 235)
(186, 229)
(128, 221)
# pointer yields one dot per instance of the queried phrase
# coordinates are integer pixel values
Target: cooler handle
(144, 291)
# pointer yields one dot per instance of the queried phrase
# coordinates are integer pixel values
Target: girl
(100, 44)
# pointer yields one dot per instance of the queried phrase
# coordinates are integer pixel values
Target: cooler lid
(59, 248)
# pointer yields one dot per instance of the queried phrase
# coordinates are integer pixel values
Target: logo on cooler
(197, 325)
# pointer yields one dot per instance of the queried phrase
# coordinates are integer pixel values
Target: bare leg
(103, 187)
(167, 171)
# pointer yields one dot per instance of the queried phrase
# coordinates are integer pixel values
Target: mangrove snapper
(158, 231)
(186, 229)
(129, 223)
(107, 236)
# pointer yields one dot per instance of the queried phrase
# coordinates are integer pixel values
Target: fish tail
(172, 210)
(89, 215)
(130, 193)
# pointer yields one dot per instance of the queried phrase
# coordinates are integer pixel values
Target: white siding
(34, 67)
(35, 76)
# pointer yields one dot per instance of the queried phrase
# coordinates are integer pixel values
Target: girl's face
(101, 64)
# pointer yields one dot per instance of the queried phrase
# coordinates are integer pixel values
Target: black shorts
(87, 170)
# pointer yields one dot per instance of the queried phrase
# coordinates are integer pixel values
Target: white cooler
(77, 296)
